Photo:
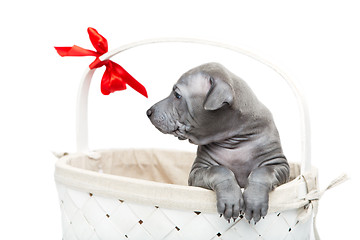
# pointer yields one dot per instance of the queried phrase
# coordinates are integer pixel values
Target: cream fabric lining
(159, 178)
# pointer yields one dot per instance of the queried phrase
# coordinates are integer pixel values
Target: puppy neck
(233, 142)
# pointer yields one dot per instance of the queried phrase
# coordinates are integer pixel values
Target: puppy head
(195, 104)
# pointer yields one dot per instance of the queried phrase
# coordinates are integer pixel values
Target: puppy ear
(220, 94)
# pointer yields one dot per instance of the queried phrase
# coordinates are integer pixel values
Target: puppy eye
(178, 96)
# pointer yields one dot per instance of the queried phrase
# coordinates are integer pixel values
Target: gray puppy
(238, 143)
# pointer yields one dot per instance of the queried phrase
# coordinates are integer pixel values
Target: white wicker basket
(123, 194)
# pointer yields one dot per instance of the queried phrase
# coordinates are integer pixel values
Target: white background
(315, 42)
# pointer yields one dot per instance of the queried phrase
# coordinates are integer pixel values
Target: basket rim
(291, 195)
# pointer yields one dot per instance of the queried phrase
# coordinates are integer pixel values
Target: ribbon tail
(130, 80)
(75, 51)
(137, 86)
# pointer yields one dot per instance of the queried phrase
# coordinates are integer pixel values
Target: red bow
(115, 77)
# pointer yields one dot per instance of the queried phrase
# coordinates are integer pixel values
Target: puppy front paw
(256, 197)
(230, 201)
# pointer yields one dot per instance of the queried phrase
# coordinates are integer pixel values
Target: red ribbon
(115, 77)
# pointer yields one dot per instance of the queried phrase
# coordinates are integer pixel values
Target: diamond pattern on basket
(86, 216)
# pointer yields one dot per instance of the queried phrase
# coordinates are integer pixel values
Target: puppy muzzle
(166, 124)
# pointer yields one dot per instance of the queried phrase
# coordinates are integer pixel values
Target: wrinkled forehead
(194, 84)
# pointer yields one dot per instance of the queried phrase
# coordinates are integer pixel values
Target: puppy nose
(149, 112)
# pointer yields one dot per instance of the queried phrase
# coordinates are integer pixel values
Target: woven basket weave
(125, 194)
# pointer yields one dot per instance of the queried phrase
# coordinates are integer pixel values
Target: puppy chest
(240, 161)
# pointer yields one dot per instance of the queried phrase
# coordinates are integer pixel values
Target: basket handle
(83, 92)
